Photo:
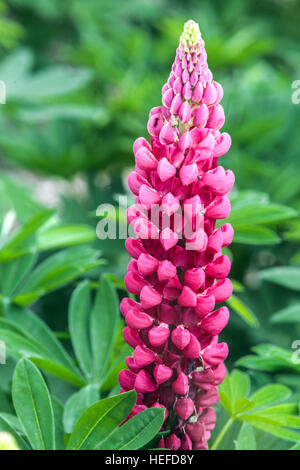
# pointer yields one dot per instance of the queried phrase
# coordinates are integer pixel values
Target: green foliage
(80, 79)
(39, 418)
(262, 410)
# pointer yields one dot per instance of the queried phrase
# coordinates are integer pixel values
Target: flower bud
(126, 379)
(165, 169)
(144, 383)
(193, 349)
(143, 356)
(215, 321)
(194, 278)
(158, 335)
(162, 373)
(149, 297)
(219, 268)
(184, 407)
(181, 384)
(173, 442)
(147, 264)
(180, 337)
(213, 355)
(138, 320)
(145, 159)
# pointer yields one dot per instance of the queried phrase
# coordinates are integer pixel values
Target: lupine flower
(178, 272)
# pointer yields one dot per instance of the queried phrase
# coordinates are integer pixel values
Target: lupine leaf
(33, 405)
(5, 425)
(285, 276)
(289, 314)
(255, 235)
(79, 313)
(242, 310)
(246, 438)
(99, 421)
(104, 322)
(136, 432)
(77, 404)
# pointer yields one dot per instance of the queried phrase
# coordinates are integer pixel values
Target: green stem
(222, 434)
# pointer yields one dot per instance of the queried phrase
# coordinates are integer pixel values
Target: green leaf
(14, 271)
(49, 82)
(246, 438)
(237, 286)
(7, 427)
(286, 276)
(33, 327)
(77, 404)
(100, 420)
(296, 447)
(136, 432)
(260, 214)
(19, 198)
(255, 235)
(240, 384)
(242, 310)
(104, 323)
(18, 245)
(59, 371)
(79, 312)
(33, 405)
(65, 235)
(243, 405)
(20, 346)
(270, 394)
(43, 114)
(57, 271)
(289, 314)
(58, 420)
(272, 427)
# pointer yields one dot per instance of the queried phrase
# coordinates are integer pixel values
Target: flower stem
(222, 434)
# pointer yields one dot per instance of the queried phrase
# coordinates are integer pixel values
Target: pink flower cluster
(174, 324)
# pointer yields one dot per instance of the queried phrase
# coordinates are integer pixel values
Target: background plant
(77, 97)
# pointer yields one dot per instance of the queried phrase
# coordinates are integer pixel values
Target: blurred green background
(81, 77)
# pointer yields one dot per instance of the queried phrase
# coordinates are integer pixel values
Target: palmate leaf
(263, 409)
(33, 405)
(246, 438)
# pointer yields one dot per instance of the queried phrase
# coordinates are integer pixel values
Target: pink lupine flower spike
(178, 272)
